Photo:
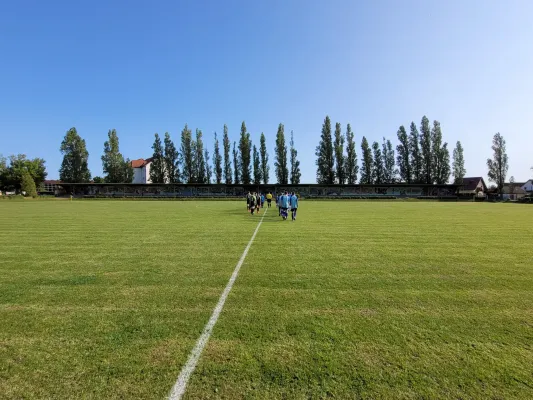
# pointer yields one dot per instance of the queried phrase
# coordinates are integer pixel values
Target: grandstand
(386, 191)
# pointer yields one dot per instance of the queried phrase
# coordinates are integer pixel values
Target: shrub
(28, 185)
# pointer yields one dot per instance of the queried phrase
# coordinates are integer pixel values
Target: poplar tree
(459, 170)
(378, 171)
(352, 168)
(325, 173)
(425, 145)
(415, 155)
(236, 165)
(295, 164)
(245, 147)
(339, 155)
(265, 168)
(366, 163)
(188, 155)
(172, 169)
(157, 168)
(199, 158)
(228, 176)
(498, 165)
(404, 156)
(217, 160)
(257, 166)
(282, 171)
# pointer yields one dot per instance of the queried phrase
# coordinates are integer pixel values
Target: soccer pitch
(106, 299)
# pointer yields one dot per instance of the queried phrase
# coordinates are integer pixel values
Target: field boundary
(181, 384)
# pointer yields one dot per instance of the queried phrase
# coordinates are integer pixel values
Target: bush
(28, 185)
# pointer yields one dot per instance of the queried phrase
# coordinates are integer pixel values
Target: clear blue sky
(146, 67)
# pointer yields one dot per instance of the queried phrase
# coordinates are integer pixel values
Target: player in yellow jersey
(269, 199)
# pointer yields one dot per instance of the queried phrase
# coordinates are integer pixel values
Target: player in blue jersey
(294, 206)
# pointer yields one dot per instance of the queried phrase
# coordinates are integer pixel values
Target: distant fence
(104, 190)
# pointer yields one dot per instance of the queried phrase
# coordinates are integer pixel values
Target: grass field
(106, 299)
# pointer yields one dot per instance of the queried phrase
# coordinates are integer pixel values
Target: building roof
(472, 182)
(51, 182)
(141, 162)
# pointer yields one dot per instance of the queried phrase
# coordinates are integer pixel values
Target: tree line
(420, 157)
(242, 163)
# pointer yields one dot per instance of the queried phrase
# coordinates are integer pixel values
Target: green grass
(354, 300)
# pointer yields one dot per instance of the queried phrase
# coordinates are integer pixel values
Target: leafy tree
(217, 160)
(265, 168)
(296, 174)
(404, 156)
(352, 168)
(325, 173)
(236, 165)
(499, 164)
(172, 167)
(228, 178)
(3, 170)
(366, 163)
(18, 166)
(282, 170)
(245, 147)
(208, 168)
(459, 170)
(339, 155)
(28, 185)
(257, 167)
(116, 168)
(200, 162)
(425, 145)
(98, 179)
(415, 156)
(378, 170)
(389, 163)
(188, 155)
(157, 169)
(440, 164)
(74, 167)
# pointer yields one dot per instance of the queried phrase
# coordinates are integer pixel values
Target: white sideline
(181, 384)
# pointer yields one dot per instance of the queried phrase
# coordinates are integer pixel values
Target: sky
(143, 67)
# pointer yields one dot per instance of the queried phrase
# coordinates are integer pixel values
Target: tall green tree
(28, 185)
(296, 174)
(404, 156)
(75, 164)
(458, 167)
(366, 163)
(440, 156)
(415, 155)
(115, 167)
(245, 148)
(208, 168)
(236, 165)
(378, 170)
(389, 163)
(257, 167)
(199, 158)
(228, 176)
(352, 169)
(425, 145)
(172, 167)
(339, 155)
(217, 160)
(157, 168)
(187, 152)
(282, 170)
(499, 164)
(265, 168)
(325, 173)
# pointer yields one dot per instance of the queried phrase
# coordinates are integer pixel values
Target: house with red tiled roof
(473, 186)
(141, 170)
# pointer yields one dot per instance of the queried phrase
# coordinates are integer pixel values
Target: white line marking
(181, 384)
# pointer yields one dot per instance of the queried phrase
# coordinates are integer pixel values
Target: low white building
(141, 170)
